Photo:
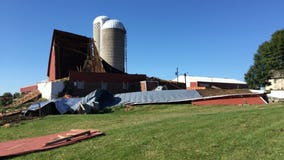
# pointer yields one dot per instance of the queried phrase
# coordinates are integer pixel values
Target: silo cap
(113, 23)
(100, 19)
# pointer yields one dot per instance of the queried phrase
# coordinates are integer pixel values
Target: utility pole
(177, 74)
(185, 79)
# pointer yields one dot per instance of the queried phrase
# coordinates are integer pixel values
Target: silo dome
(100, 19)
(113, 44)
(97, 25)
(113, 23)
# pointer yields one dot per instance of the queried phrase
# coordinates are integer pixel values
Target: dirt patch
(15, 118)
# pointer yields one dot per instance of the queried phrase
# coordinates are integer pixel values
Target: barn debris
(157, 97)
(95, 100)
(101, 99)
(41, 143)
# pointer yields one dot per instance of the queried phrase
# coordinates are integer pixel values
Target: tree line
(268, 59)
(7, 98)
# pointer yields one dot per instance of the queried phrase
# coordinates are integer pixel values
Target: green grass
(166, 132)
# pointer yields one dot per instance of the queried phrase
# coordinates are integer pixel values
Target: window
(79, 85)
(125, 85)
(104, 85)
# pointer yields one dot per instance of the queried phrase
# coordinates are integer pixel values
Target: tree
(16, 95)
(1, 101)
(6, 99)
(269, 57)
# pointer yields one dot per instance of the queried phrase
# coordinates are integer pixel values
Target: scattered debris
(25, 98)
(29, 145)
(6, 125)
(100, 99)
(13, 117)
(96, 100)
(128, 107)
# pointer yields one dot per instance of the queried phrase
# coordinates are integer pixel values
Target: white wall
(276, 84)
(50, 90)
(257, 91)
(45, 89)
(277, 94)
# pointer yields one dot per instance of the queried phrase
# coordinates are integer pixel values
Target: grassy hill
(165, 132)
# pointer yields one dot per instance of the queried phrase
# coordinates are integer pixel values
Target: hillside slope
(166, 132)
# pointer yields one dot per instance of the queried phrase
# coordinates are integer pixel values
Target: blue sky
(215, 38)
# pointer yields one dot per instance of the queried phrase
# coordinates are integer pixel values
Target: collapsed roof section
(100, 99)
(69, 52)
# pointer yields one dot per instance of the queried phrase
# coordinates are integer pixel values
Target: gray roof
(151, 97)
(99, 99)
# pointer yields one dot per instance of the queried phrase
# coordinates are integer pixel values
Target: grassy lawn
(165, 132)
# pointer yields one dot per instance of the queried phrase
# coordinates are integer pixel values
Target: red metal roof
(28, 145)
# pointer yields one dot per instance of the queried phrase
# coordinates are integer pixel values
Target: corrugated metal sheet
(151, 97)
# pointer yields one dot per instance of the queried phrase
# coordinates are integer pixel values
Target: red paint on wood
(90, 77)
(28, 145)
(52, 67)
(195, 88)
(28, 88)
(193, 84)
(230, 101)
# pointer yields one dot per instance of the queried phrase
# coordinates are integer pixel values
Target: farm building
(276, 81)
(78, 64)
(221, 91)
(70, 57)
(197, 82)
(276, 86)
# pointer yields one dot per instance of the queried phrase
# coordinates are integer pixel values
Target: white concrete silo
(113, 42)
(97, 26)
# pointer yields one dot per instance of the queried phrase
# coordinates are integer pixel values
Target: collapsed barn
(86, 75)
(78, 65)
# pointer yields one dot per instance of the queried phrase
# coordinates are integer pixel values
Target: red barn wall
(230, 101)
(52, 71)
(113, 82)
(89, 77)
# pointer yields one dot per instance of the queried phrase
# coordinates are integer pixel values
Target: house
(276, 81)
